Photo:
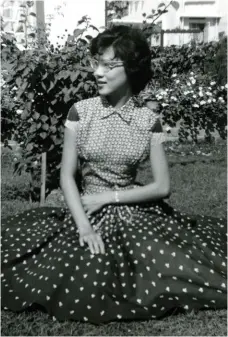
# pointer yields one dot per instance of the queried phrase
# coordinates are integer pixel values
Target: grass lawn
(198, 178)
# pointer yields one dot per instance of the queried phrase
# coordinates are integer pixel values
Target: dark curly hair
(130, 45)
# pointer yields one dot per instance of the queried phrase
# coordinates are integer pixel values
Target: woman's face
(113, 79)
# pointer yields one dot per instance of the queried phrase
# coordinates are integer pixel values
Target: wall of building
(223, 22)
(213, 13)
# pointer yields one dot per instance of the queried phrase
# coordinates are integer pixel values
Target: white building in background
(210, 16)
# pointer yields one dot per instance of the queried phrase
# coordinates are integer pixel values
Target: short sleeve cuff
(72, 125)
(72, 121)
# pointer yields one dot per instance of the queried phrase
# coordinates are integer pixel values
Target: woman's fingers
(94, 242)
(101, 244)
(91, 246)
(96, 246)
(81, 241)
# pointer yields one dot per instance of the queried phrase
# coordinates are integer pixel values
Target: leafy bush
(199, 103)
(195, 101)
(10, 112)
(16, 188)
(13, 186)
(208, 59)
(48, 82)
(220, 64)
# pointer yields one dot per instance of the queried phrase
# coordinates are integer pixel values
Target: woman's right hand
(93, 240)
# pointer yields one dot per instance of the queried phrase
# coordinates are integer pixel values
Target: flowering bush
(196, 102)
(209, 59)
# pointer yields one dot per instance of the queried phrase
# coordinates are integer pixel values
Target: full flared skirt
(156, 260)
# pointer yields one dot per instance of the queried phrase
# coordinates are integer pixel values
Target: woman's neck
(118, 100)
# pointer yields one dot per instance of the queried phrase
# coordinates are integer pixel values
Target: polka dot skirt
(160, 261)
(157, 259)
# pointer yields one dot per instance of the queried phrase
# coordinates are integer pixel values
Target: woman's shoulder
(148, 112)
(82, 108)
(87, 103)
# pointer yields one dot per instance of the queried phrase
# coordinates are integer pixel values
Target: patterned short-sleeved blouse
(112, 143)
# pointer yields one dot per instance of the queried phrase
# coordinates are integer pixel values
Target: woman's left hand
(94, 202)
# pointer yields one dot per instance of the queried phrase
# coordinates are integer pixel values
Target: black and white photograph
(114, 167)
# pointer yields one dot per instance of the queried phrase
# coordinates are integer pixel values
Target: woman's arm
(67, 181)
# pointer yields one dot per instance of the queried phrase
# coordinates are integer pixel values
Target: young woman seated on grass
(120, 252)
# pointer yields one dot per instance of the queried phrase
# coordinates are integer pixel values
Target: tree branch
(162, 12)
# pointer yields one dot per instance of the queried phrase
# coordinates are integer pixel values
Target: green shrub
(48, 82)
(16, 188)
(209, 59)
(220, 65)
(200, 104)
(13, 186)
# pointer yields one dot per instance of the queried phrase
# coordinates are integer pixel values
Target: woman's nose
(99, 72)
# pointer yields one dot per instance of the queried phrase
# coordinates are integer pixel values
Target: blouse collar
(125, 112)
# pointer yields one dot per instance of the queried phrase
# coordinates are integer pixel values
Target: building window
(197, 25)
(7, 13)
